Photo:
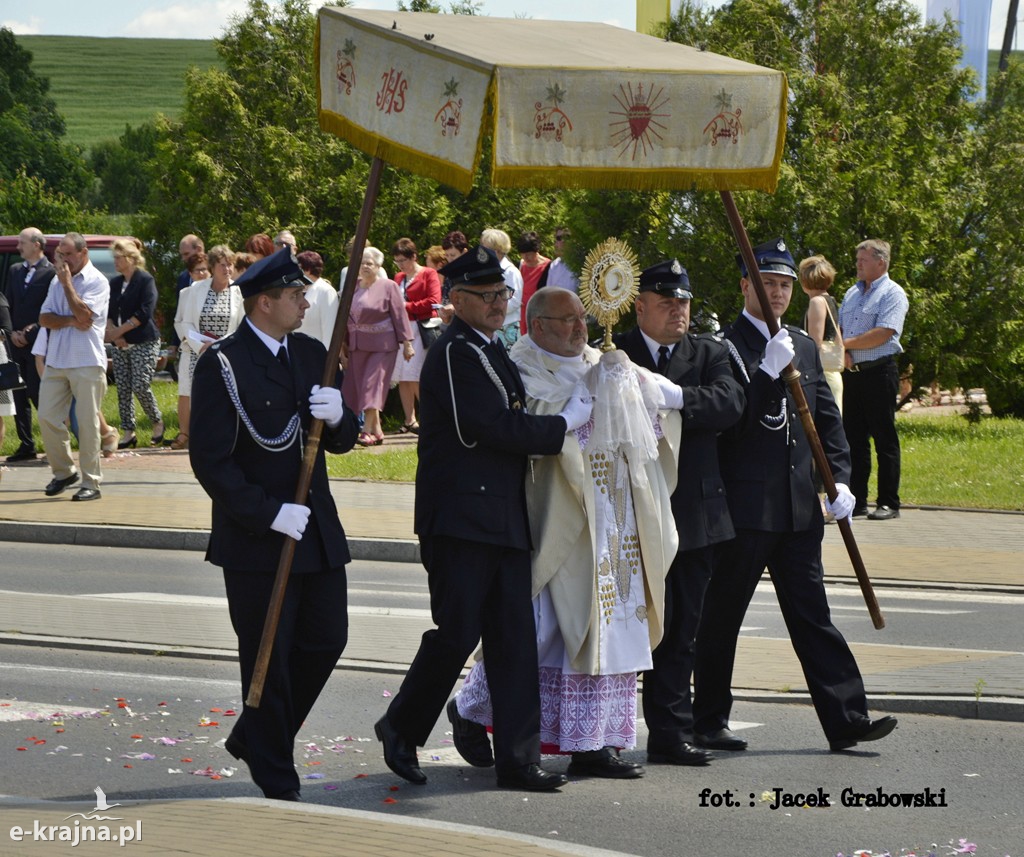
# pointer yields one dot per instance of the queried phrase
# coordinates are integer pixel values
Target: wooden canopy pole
(791, 375)
(284, 566)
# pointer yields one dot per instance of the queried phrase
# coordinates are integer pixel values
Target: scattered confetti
(389, 800)
(386, 694)
(314, 776)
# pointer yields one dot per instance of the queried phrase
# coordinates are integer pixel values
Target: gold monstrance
(608, 284)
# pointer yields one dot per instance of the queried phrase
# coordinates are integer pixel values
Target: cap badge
(781, 246)
(676, 267)
(481, 254)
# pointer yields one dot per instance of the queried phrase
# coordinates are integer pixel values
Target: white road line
(107, 674)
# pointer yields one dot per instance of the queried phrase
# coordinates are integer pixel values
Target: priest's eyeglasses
(490, 297)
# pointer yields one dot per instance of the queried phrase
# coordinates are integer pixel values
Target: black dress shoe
(57, 486)
(860, 512)
(470, 739)
(87, 494)
(291, 795)
(868, 730)
(884, 513)
(236, 748)
(22, 455)
(531, 778)
(603, 763)
(684, 754)
(399, 754)
(721, 739)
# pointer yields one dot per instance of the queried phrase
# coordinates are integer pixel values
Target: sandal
(366, 439)
(378, 439)
(412, 428)
(180, 442)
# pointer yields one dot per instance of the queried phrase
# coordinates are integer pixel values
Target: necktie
(282, 355)
(663, 352)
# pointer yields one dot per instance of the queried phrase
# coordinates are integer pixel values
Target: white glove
(291, 520)
(325, 404)
(577, 411)
(778, 354)
(671, 393)
(843, 505)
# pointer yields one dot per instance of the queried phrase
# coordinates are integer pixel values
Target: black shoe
(291, 795)
(57, 486)
(884, 513)
(470, 739)
(22, 455)
(399, 754)
(860, 512)
(721, 739)
(130, 440)
(684, 754)
(87, 494)
(868, 730)
(603, 763)
(236, 748)
(531, 778)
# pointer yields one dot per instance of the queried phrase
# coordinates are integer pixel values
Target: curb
(98, 535)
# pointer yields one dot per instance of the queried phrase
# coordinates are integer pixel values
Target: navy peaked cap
(668, 279)
(478, 266)
(271, 272)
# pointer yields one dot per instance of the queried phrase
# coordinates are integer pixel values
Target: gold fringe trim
(613, 178)
(397, 155)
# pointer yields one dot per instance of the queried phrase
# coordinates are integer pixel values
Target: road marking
(149, 677)
(15, 710)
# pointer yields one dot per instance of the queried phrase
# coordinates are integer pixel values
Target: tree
(31, 129)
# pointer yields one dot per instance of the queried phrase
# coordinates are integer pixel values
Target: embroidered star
(556, 95)
(451, 88)
(350, 48)
(723, 100)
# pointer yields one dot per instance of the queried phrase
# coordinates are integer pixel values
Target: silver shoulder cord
(774, 422)
(274, 444)
(488, 368)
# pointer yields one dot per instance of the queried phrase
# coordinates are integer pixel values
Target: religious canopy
(566, 104)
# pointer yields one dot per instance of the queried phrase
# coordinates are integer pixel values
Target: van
(100, 253)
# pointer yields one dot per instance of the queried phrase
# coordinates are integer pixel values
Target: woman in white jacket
(207, 311)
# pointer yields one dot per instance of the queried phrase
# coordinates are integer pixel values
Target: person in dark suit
(475, 440)
(767, 468)
(27, 284)
(711, 401)
(256, 392)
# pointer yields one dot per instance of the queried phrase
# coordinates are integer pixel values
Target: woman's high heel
(129, 440)
(157, 438)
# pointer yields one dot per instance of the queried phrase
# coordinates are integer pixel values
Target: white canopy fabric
(567, 104)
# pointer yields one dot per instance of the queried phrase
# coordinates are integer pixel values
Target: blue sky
(202, 19)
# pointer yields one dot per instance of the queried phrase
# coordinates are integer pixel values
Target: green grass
(946, 461)
(100, 85)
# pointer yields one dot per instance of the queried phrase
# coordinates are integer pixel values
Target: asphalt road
(724, 810)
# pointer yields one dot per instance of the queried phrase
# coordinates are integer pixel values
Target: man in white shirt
(560, 274)
(75, 313)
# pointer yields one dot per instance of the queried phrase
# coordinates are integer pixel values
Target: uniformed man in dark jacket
(254, 396)
(475, 441)
(767, 467)
(710, 401)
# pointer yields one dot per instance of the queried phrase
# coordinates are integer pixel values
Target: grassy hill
(100, 85)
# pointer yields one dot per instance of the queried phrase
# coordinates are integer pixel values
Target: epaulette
(792, 328)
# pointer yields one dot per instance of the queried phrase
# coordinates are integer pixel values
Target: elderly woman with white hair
(498, 241)
(378, 326)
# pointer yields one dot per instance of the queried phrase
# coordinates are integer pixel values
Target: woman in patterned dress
(207, 311)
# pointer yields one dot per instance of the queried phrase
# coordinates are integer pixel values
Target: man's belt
(870, 364)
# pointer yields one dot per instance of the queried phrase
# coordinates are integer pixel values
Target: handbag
(10, 376)
(833, 353)
(430, 331)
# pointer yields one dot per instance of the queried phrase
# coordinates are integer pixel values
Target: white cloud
(32, 27)
(184, 20)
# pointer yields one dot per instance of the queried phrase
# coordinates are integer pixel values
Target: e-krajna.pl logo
(83, 828)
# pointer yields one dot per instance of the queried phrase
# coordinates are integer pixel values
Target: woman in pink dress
(378, 326)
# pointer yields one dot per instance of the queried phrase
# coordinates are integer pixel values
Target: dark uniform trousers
(767, 466)
(712, 403)
(477, 591)
(869, 412)
(311, 636)
(474, 443)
